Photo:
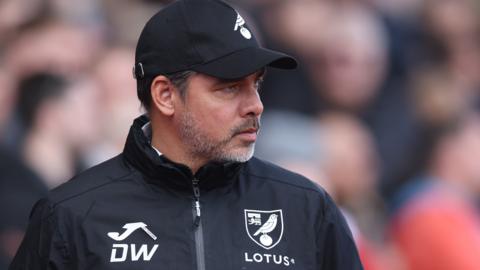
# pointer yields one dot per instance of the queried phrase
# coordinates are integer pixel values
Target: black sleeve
(336, 248)
(43, 247)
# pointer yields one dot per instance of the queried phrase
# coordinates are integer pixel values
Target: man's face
(218, 120)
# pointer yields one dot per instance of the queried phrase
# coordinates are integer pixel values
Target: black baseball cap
(207, 36)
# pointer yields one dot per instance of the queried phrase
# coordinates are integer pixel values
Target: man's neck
(170, 151)
(171, 146)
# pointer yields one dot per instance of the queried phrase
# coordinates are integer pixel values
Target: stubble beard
(201, 146)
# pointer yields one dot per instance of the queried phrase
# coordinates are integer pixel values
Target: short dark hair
(34, 91)
(178, 79)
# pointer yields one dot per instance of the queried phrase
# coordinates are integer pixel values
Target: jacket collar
(160, 170)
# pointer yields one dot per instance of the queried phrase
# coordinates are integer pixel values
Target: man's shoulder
(95, 180)
(265, 170)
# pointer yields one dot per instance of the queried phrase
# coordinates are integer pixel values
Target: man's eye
(231, 88)
(258, 84)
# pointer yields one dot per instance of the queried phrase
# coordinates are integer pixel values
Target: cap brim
(244, 62)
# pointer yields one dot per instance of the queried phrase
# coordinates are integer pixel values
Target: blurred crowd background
(383, 111)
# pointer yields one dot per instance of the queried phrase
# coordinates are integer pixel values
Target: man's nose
(252, 105)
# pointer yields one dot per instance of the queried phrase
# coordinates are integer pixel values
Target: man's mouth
(249, 134)
(248, 131)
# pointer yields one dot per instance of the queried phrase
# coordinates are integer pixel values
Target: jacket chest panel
(237, 234)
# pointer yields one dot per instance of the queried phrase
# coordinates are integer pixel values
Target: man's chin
(239, 155)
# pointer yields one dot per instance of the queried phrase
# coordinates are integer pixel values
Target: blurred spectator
(452, 30)
(51, 46)
(350, 162)
(348, 63)
(437, 98)
(58, 117)
(349, 71)
(46, 45)
(120, 104)
(435, 223)
(351, 166)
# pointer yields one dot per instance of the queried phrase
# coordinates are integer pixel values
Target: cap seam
(187, 25)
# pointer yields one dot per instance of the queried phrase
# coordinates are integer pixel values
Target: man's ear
(162, 92)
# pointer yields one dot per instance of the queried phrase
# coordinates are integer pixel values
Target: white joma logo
(120, 251)
(129, 229)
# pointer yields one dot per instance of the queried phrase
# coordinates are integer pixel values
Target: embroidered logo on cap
(239, 24)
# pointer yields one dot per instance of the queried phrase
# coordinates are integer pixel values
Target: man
(186, 192)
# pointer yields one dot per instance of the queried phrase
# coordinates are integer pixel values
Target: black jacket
(141, 211)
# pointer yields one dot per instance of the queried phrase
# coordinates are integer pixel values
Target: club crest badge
(264, 227)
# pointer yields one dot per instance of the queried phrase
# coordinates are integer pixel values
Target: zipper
(197, 211)
(199, 246)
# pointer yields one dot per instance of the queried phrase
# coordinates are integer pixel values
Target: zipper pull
(197, 218)
(196, 193)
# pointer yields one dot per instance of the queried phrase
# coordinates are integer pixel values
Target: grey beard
(201, 146)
